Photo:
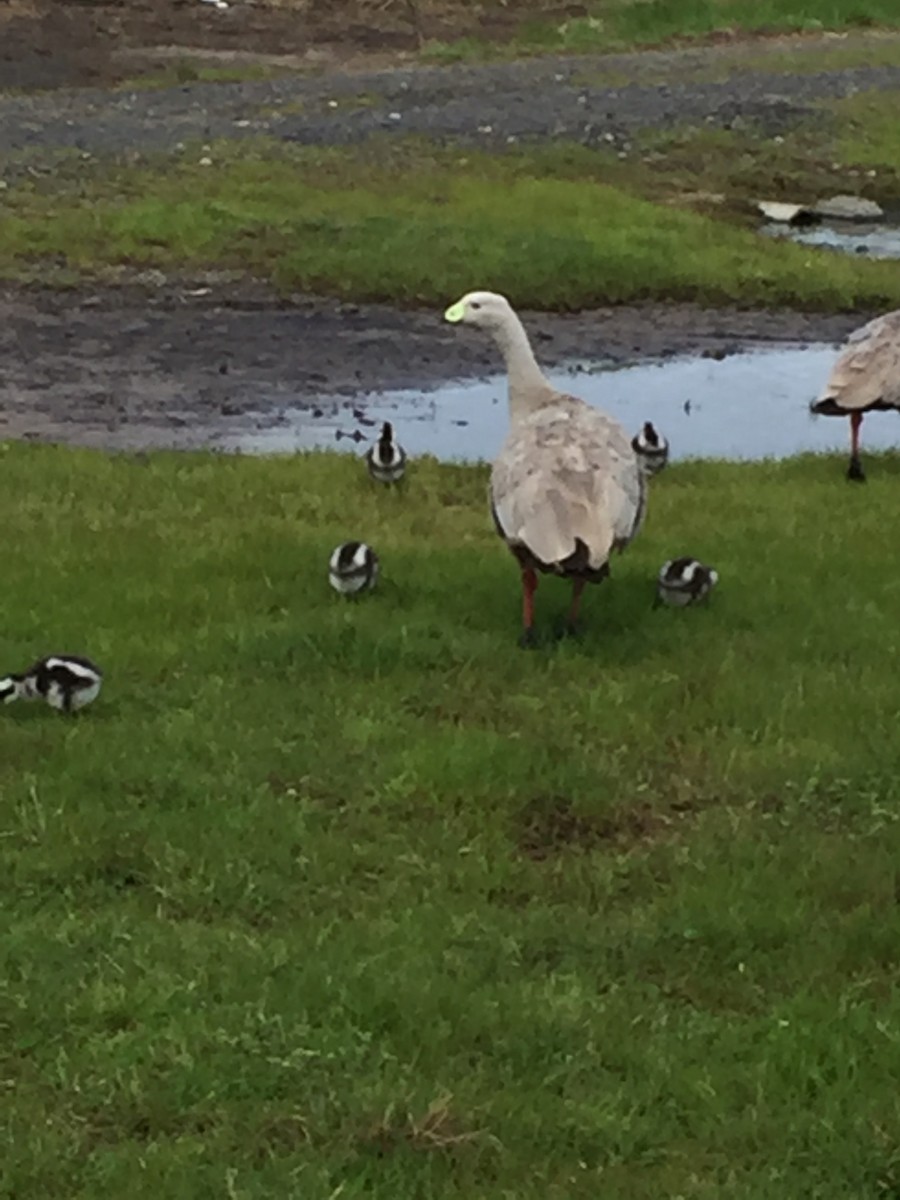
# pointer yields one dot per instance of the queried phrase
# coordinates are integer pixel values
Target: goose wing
(567, 473)
(868, 369)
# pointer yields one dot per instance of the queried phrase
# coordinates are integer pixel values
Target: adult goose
(567, 487)
(865, 378)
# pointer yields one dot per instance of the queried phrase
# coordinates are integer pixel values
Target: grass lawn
(324, 899)
(403, 221)
(623, 24)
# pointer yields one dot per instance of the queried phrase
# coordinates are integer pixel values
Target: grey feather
(867, 372)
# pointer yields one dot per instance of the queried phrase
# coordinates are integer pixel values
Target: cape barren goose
(567, 488)
(865, 378)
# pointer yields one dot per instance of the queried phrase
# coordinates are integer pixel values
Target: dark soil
(76, 43)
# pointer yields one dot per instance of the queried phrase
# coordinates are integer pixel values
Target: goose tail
(827, 406)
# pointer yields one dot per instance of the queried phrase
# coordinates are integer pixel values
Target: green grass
(189, 70)
(329, 899)
(868, 134)
(720, 63)
(619, 26)
(405, 223)
(850, 146)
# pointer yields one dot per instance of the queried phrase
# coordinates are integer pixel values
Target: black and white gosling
(651, 448)
(353, 568)
(684, 581)
(66, 682)
(386, 459)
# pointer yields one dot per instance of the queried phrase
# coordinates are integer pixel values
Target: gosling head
(651, 448)
(11, 688)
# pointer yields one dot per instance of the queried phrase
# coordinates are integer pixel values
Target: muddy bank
(128, 368)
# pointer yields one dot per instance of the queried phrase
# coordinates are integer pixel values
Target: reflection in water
(752, 405)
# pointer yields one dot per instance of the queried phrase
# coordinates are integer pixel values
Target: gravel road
(488, 104)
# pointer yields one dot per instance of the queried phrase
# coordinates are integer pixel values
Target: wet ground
(751, 405)
(137, 368)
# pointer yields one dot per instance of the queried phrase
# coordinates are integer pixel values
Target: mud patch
(549, 826)
(45, 46)
(185, 367)
(77, 43)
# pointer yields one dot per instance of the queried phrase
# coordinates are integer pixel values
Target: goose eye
(475, 305)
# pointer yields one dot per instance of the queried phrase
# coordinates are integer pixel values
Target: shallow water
(851, 237)
(747, 406)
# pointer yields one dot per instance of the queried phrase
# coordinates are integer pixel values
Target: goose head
(487, 310)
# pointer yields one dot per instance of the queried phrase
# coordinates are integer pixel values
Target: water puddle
(747, 406)
(871, 240)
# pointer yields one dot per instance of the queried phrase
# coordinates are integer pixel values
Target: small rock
(849, 208)
(205, 162)
(701, 198)
(789, 214)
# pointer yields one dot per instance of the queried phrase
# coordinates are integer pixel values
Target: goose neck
(528, 388)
